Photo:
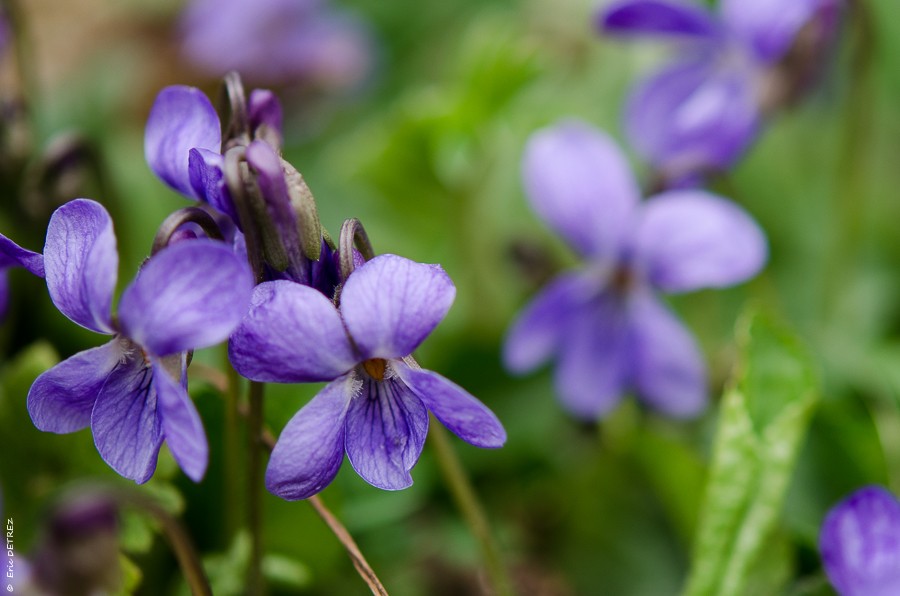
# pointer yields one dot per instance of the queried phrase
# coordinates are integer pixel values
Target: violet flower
(278, 41)
(860, 544)
(132, 391)
(603, 323)
(703, 110)
(376, 405)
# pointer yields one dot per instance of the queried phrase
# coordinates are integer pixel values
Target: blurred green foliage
(427, 156)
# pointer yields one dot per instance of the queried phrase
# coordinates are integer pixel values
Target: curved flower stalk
(132, 391)
(701, 112)
(860, 544)
(309, 42)
(603, 323)
(376, 405)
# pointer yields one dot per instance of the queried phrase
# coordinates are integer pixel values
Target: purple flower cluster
(603, 323)
(320, 312)
(703, 110)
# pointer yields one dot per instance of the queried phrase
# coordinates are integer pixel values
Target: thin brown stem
(337, 528)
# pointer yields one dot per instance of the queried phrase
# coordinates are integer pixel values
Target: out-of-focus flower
(132, 391)
(79, 550)
(278, 41)
(703, 110)
(376, 406)
(603, 323)
(860, 544)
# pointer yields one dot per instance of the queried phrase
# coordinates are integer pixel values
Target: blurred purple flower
(603, 323)
(860, 544)
(278, 41)
(703, 110)
(13, 255)
(376, 406)
(132, 391)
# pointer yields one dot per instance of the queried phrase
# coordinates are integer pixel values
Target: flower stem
(230, 448)
(255, 582)
(185, 553)
(471, 509)
(359, 561)
(851, 179)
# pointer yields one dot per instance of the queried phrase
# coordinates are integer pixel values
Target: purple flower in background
(132, 391)
(13, 255)
(376, 406)
(703, 110)
(278, 41)
(860, 544)
(603, 323)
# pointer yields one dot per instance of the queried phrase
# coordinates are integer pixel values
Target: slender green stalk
(469, 506)
(850, 199)
(255, 581)
(230, 449)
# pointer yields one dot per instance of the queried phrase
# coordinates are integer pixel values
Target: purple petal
(669, 372)
(81, 263)
(126, 425)
(310, 449)
(181, 119)
(540, 329)
(263, 108)
(593, 368)
(291, 334)
(189, 295)
(13, 255)
(208, 181)
(769, 26)
(386, 428)
(391, 304)
(860, 544)
(579, 183)
(693, 115)
(61, 399)
(181, 424)
(688, 240)
(658, 18)
(463, 414)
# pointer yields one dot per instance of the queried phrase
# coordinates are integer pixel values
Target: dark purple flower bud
(132, 391)
(603, 324)
(376, 405)
(860, 544)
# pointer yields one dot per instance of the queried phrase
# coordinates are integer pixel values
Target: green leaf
(763, 418)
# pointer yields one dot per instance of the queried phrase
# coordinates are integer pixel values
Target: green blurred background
(426, 153)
